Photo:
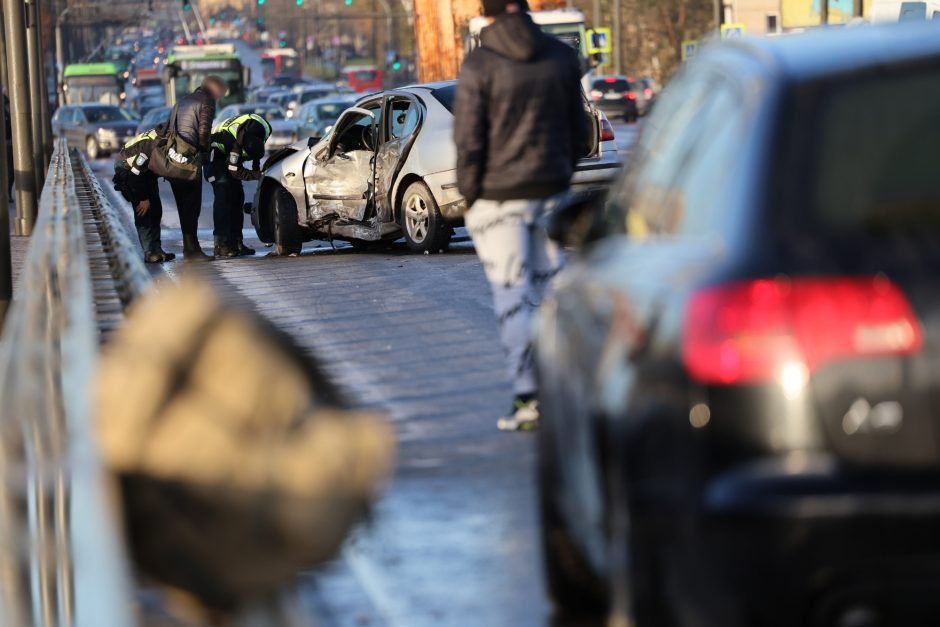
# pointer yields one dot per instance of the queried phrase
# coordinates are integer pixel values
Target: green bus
(93, 82)
(187, 66)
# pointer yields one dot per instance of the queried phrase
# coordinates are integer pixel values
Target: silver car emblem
(884, 418)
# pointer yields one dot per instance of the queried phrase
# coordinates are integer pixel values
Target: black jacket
(520, 123)
(194, 114)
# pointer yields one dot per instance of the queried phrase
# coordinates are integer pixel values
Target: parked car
(738, 373)
(306, 93)
(99, 129)
(154, 117)
(386, 170)
(283, 131)
(616, 96)
(315, 117)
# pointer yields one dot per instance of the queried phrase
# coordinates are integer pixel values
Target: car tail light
(607, 131)
(752, 331)
(596, 94)
(648, 92)
(630, 95)
(610, 80)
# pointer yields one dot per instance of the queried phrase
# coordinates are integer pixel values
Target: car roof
(821, 53)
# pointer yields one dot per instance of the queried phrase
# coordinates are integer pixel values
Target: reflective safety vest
(231, 125)
(135, 159)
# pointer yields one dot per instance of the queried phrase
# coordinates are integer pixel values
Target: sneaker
(524, 417)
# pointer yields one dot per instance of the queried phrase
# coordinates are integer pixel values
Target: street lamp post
(6, 266)
(14, 13)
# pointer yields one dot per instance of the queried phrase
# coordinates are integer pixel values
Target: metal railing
(62, 554)
(131, 278)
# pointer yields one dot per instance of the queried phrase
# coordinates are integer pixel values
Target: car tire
(287, 238)
(572, 585)
(92, 149)
(421, 220)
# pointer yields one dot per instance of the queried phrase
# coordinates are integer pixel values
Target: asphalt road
(454, 539)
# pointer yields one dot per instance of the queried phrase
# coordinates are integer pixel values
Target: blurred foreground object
(739, 369)
(238, 462)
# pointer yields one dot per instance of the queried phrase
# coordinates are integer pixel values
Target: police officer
(134, 180)
(235, 141)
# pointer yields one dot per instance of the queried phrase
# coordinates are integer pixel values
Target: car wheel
(572, 584)
(287, 239)
(421, 220)
(92, 149)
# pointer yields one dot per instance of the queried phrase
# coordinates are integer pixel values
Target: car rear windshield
(874, 160)
(107, 114)
(611, 85)
(445, 96)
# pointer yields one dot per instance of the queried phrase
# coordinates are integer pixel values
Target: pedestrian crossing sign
(600, 41)
(733, 31)
(689, 49)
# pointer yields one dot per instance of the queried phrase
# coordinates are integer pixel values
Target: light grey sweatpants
(520, 262)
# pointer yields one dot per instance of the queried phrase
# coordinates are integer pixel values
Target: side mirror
(328, 130)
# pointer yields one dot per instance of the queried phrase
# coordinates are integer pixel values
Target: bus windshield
(103, 89)
(191, 79)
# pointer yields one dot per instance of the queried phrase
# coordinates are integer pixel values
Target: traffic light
(260, 2)
(186, 5)
(349, 3)
(300, 3)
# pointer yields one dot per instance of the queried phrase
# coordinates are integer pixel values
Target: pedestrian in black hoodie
(520, 129)
(193, 116)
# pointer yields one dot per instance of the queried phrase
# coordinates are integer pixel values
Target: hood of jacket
(513, 35)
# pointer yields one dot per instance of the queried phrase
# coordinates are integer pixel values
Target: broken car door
(402, 122)
(338, 175)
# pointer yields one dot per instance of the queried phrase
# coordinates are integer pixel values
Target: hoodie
(520, 122)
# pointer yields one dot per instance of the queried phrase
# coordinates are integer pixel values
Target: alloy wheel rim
(417, 218)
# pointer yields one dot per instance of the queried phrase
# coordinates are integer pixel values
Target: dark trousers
(188, 195)
(228, 209)
(148, 225)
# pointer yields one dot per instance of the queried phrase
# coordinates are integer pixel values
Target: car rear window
(611, 85)
(875, 159)
(445, 96)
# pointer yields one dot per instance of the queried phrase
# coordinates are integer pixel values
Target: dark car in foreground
(740, 374)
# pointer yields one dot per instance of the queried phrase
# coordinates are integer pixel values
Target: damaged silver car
(386, 170)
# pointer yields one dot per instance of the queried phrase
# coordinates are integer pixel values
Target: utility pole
(824, 12)
(597, 14)
(618, 39)
(42, 134)
(60, 55)
(6, 265)
(24, 163)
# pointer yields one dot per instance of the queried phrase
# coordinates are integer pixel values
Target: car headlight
(107, 134)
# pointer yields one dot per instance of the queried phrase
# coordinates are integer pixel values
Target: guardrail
(62, 557)
(131, 278)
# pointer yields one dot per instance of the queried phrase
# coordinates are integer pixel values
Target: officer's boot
(191, 249)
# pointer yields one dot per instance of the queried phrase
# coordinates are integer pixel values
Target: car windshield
(330, 111)
(882, 180)
(97, 115)
(612, 85)
(446, 95)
